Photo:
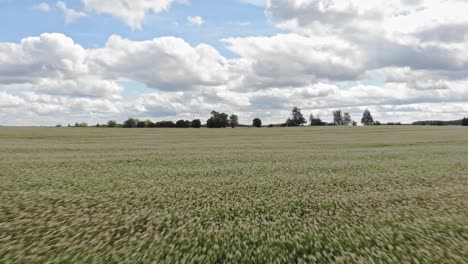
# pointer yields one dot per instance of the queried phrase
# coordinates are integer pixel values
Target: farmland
(328, 194)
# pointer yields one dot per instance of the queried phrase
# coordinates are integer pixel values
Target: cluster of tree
(222, 120)
(296, 119)
(339, 119)
(136, 123)
(316, 121)
(82, 124)
(342, 119)
(440, 123)
(430, 123)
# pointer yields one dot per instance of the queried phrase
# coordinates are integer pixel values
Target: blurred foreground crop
(329, 194)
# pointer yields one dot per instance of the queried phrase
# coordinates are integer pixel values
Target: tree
(257, 122)
(296, 119)
(234, 120)
(347, 119)
(367, 119)
(111, 123)
(131, 123)
(182, 124)
(149, 123)
(82, 124)
(315, 121)
(196, 123)
(141, 124)
(164, 124)
(465, 121)
(338, 118)
(394, 124)
(217, 120)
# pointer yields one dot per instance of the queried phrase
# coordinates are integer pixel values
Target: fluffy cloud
(350, 41)
(31, 108)
(290, 60)
(405, 16)
(132, 12)
(167, 63)
(53, 64)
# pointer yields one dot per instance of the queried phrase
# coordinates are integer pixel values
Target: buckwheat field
(244, 195)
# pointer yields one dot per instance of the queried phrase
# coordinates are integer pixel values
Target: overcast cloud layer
(405, 60)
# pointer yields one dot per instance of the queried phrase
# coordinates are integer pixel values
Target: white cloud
(70, 14)
(195, 20)
(289, 60)
(167, 63)
(404, 60)
(44, 7)
(54, 64)
(132, 12)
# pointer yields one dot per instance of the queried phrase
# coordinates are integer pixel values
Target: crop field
(269, 195)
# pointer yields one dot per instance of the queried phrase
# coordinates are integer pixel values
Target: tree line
(223, 120)
(463, 122)
(340, 118)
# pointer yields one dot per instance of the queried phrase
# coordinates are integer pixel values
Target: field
(289, 195)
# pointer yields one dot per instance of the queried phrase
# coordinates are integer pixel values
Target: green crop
(270, 195)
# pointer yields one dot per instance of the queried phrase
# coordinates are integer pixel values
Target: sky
(92, 61)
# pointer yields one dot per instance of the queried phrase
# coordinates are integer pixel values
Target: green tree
(149, 123)
(296, 119)
(131, 123)
(141, 124)
(182, 124)
(315, 121)
(367, 119)
(465, 121)
(347, 119)
(338, 118)
(234, 120)
(111, 123)
(217, 120)
(196, 123)
(257, 122)
(164, 124)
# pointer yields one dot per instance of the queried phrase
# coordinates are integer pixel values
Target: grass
(286, 195)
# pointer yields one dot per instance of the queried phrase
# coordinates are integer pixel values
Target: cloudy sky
(94, 60)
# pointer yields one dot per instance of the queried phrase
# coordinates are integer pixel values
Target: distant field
(331, 194)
